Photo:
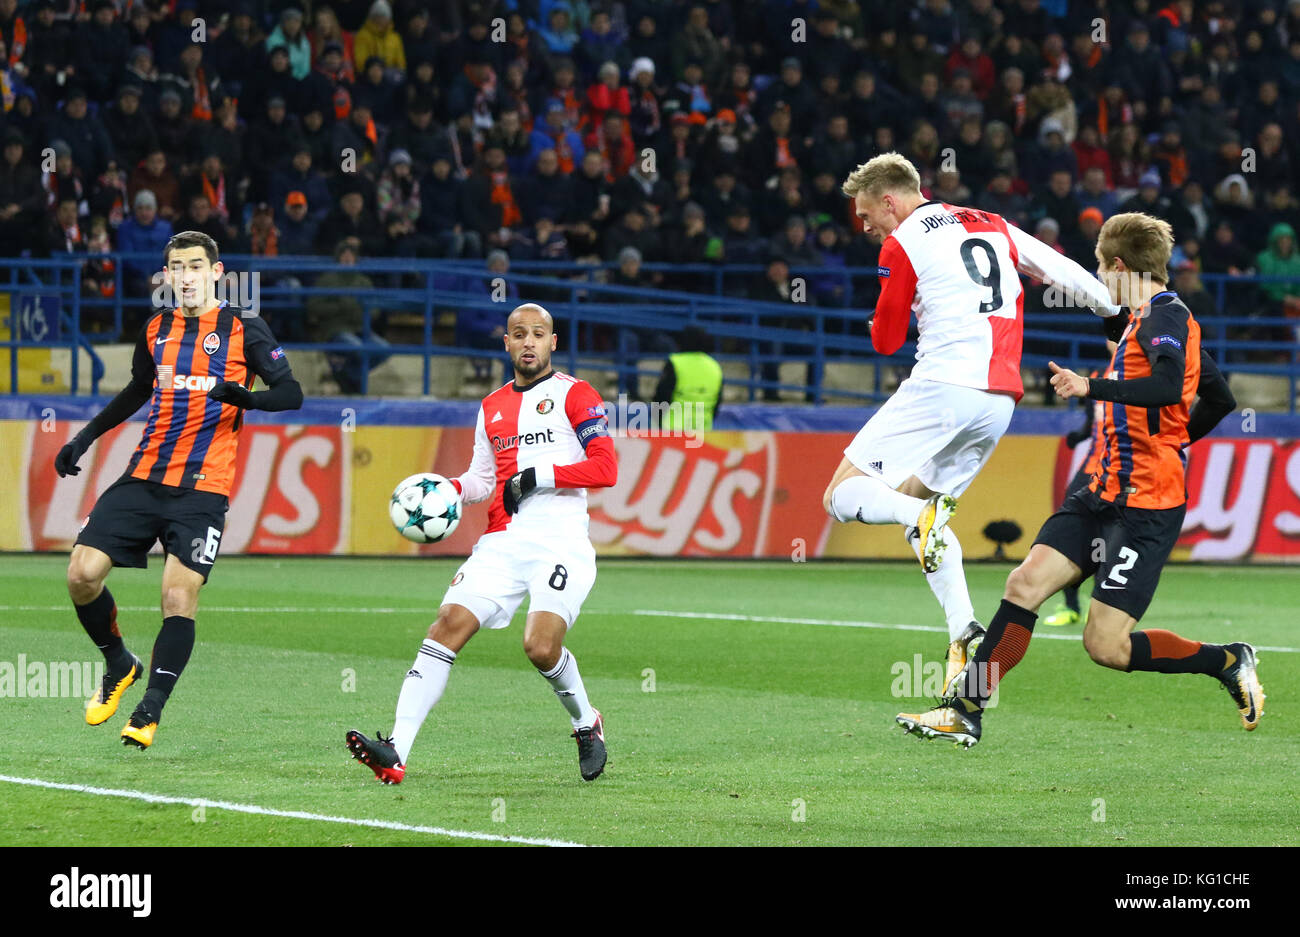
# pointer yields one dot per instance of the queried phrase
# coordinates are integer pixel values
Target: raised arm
(1036, 259)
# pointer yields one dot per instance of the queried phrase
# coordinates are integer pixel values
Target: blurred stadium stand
(636, 166)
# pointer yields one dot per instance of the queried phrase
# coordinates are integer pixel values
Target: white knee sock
(422, 688)
(949, 583)
(567, 684)
(870, 500)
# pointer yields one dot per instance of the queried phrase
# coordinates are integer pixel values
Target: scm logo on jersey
(193, 382)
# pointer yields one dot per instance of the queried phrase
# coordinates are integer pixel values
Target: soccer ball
(425, 508)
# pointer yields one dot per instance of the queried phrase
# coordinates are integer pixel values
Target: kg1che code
(1184, 878)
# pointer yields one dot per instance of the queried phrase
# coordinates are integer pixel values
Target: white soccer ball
(425, 508)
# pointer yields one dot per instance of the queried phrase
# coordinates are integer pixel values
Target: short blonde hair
(888, 172)
(1144, 244)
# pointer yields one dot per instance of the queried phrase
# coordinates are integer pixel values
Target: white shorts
(941, 433)
(505, 567)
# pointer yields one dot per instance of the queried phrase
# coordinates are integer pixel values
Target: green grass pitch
(721, 731)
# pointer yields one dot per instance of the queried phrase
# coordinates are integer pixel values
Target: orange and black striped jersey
(190, 440)
(1140, 449)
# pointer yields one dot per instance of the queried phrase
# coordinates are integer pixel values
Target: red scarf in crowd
(784, 157)
(202, 109)
(1103, 116)
(265, 242)
(564, 152)
(501, 195)
(216, 195)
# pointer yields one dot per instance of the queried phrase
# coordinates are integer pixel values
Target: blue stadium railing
(591, 314)
(29, 284)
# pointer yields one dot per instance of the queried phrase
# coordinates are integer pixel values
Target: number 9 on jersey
(425, 508)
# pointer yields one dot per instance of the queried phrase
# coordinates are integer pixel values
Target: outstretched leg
(1110, 641)
(421, 690)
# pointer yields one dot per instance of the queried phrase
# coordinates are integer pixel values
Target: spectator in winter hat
(21, 196)
(129, 128)
(378, 37)
(92, 151)
(144, 233)
(297, 227)
(290, 34)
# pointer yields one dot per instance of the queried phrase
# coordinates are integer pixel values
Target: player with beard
(539, 443)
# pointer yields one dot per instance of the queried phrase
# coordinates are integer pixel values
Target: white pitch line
(712, 616)
(291, 814)
(846, 623)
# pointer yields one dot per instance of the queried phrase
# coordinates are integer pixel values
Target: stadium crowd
(520, 129)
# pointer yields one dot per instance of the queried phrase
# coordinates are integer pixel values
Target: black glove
(65, 463)
(233, 393)
(1074, 437)
(1114, 326)
(520, 486)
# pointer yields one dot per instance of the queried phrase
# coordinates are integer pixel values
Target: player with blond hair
(958, 270)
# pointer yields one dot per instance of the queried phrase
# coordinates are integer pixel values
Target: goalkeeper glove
(233, 393)
(65, 463)
(520, 486)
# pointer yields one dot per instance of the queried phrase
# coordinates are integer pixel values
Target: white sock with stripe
(948, 583)
(868, 499)
(421, 690)
(567, 684)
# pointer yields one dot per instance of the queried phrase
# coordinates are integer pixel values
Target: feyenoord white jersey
(958, 270)
(546, 424)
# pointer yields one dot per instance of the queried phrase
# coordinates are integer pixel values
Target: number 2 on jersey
(992, 282)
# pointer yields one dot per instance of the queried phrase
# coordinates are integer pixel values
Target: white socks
(868, 499)
(427, 678)
(949, 583)
(422, 688)
(567, 684)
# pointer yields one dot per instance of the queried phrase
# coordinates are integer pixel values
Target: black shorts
(1078, 482)
(133, 514)
(1123, 548)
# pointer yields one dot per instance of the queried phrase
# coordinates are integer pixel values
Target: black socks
(171, 652)
(99, 618)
